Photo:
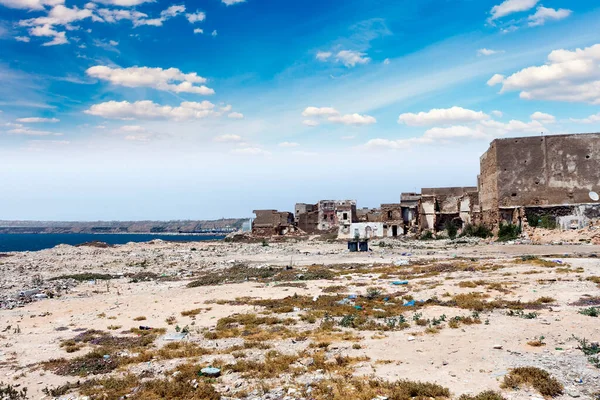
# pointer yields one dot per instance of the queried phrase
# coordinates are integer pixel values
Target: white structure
(362, 230)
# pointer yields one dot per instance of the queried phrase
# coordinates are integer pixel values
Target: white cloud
(319, 112)
(46, 31)
(352, 119)
(59, 15)
(33, 120)
(226, 108)
(113, 43)
(198, 16)
(32, 132)
(235, 115)
(228, 138)
(214, 33)
(124, 3)
(198, 30)
(489, 52)
(334, 116)
(147, 109)
(589, 120)
(442, 117)
(172, 11)
(112, 16)
(543, 117)
(386, 61)
(288, 144)
(157, 78)
(544, 14)
(571, 76)
(132, 128)
(496, 79)
(30, 4)
(351, 58)
(508, 7)
(484, 130)
(323, 55)
(251, 151)
(310, 122)
(137, 18)
(497, 113)
(232, 2)
(22, 39)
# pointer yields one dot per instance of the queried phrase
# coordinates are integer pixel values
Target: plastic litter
(358, 307)
(343, 302)
(409, 303)
(210, 371)
(144, 328)
(352, 296)
(401, 262)
(174, 337)
(400, 283)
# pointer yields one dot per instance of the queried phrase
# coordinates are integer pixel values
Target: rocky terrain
(463, 319)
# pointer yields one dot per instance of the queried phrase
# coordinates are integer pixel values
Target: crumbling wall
(549, 170)
(427, 215)
(488, 186)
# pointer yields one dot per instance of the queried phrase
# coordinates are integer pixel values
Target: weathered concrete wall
(549, 170)
(364, 230)
(488, 186)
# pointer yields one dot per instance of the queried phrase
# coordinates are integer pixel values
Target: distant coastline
(180, 227)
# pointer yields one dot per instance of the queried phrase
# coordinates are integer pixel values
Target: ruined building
(326, 215)
(439, 206)
(272, 222)
(532, 177)
(535, 181)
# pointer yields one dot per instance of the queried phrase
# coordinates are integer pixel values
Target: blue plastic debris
(400, 283)
(352, 296)
(343, 302)
(358, 307)
(386, 299)
(409, 303)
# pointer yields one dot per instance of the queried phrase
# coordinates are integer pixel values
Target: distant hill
(221, 225)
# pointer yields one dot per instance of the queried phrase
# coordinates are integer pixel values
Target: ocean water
(35, 242)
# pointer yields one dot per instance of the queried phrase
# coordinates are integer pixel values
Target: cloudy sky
(142, 109)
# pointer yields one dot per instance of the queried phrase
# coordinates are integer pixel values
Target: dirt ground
(293, 320)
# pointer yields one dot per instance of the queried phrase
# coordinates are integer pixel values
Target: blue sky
(137, 109)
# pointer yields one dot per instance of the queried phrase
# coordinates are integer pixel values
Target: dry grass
(487, 395)
(537, 378)
(345, 388)
(178, 386)
(595, 279)
(191, 313)
(140, 318)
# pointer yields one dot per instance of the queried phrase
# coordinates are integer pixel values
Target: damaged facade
(525, 181)
(556, 177)
(272, 223)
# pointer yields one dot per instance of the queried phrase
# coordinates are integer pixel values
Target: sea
(41, 241)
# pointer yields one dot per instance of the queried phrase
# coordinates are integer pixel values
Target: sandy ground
(466, 360)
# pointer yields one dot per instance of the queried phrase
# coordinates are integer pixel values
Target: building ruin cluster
(522, 181)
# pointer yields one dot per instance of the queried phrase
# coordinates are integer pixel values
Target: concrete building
(272, 222)
(361, 230)
(439, 206)
(307, 217)
(556, 176)
(333, 213)
(393, 222)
